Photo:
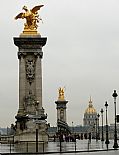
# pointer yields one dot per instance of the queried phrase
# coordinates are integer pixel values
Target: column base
(31, 137)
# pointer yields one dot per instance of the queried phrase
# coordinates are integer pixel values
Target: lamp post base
(102, 139)
(115, 145)
(107, 142)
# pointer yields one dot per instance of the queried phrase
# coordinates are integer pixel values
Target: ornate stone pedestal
(30, 114)
(62, 126)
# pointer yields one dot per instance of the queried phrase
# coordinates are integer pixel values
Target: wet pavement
(79, 147)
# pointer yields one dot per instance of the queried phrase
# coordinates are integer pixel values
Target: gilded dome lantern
(90, 109)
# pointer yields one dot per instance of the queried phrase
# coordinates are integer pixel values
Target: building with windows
(91, 121)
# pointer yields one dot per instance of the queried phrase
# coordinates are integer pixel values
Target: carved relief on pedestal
(62, 114)
(29, 103)
(30, 69)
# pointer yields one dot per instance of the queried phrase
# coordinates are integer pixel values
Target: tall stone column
(62, 125)
(30, 70)
(61, 110)
(30, 110)
(30, 116)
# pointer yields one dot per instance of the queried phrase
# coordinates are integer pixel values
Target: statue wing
(20, 15)
(36, 8)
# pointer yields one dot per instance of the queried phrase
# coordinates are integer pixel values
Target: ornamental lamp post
(36, 107)
(107, 139)
(102, 124)
(115, 146)
(98, 127)
(72, 127)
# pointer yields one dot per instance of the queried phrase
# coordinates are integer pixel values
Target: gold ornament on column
(61, 94)
(32, 18)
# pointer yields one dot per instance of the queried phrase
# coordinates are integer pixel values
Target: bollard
(88, 144)
(75, 146)
(75, 142)
(43, 147)
(36, 140)
(10, 147)
(60, 144)
(27, 146)
(13, 140)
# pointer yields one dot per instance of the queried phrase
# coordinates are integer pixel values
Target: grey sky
(82, 54)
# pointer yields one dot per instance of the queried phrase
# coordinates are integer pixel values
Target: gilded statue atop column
(32, 18)
(61, 94)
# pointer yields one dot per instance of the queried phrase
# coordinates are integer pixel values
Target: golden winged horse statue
(31, 16)
(61, 93)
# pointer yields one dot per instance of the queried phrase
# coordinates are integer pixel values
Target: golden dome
(90, 109)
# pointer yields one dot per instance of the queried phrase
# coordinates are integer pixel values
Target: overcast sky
(82, 54)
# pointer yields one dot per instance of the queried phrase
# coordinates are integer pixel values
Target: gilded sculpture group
(31, 16)
(61, 93)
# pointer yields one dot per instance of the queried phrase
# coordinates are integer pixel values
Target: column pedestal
(30, 113)
(62, 125)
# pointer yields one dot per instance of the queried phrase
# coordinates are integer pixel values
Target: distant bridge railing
(6, 139)
(64, 125)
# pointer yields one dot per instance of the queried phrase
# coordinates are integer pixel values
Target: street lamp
(107, 139)
(36, 107)
(115, 131)
(72, 128)
(98, 127)
(102, 124)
